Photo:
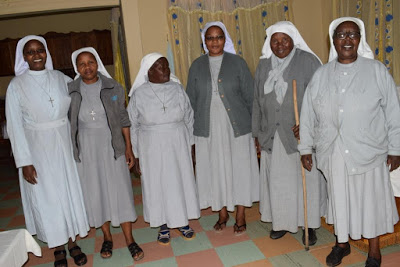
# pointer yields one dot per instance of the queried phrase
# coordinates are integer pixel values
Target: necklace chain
(90, 104)
(51, 100)
(159, 99)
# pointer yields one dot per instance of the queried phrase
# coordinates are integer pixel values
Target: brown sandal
(106, 248)
(136, 252)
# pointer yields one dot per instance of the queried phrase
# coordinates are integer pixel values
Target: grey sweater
(268, 115)
(112, 96)
(235, 86)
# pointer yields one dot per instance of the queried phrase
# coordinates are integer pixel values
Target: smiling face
(87, 67)
(281, 44)
(159, 71)
(347, 47)
(35, 55)
(215, 41)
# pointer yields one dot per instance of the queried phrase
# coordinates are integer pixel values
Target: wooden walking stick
(303, 174)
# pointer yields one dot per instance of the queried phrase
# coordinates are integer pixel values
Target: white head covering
(20, 64)
(288, 28)
(228, 47)
(363, 48)
(142, 77)
(100, 65)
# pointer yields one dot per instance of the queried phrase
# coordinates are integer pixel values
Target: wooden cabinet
(61, 46)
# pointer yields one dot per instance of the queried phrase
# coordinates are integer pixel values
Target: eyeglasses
(212, 38)
(33, 52)
(344, 35)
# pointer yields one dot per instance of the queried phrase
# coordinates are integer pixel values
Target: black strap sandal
(80, 258)
(239, 230)
(62, 262)
(136, 251)
(106, 248)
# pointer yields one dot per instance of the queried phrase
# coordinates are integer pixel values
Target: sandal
(187, 232)
(238, 230)
(106, 249)
(79, 258)
(136, 251)
(164, 237)
(61, 262)
(218, 225)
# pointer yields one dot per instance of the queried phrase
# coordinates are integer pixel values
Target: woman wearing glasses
(350, 115)
(220, 89)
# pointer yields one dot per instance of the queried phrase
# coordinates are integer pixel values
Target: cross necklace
(90, 103)
(51, 100)
(162, 102)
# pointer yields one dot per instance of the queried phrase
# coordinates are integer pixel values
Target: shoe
(79, 258)
(164, 237)
(277, 234)
(106, 249)
(61, 262)
(187, 232)
(238, 230)
(136, 251)
(312, 237)
(337, 254)
(372, 262)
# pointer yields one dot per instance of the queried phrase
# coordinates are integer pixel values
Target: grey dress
(105, 181)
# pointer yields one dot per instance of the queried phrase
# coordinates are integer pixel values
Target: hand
(306, 160)
(136, 168)
(29, 173)
(130, 158)
(296, 131)
(393, 161)
(258, 147)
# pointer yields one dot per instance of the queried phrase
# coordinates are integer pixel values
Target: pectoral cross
(164, 107)
(51, 100)
(92, 113)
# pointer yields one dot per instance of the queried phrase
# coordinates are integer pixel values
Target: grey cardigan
(235, 86)
(113, 98)
(268, 115)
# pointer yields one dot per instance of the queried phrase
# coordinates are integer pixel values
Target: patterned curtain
(382, 23)
(245, 20)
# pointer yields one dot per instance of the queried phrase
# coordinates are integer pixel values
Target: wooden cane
(303, 174)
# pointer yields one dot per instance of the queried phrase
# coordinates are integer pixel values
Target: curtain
(382, 24)
(119, 70)
(245, 20)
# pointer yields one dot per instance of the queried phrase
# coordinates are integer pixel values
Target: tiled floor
(254, 248)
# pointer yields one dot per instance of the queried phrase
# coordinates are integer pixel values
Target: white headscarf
(142, 76)
(363, 48)
(288, 28)
(91, 50)
(20, 64)
(228, 47)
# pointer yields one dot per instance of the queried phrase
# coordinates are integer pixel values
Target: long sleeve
(123, 115)
(190, 88)
(135, 125)
(256, 114)
(307, 122)
(188, 117)
(391, 108)
(15, 128)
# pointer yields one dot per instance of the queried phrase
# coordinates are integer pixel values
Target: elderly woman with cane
(285, 57)
(350, 115)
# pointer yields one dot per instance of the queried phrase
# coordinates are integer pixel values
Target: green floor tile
(145, 235)
(41, 244)
(359, 264)
(181, 246)
(208, 222)
(51, 264)
(303, 258)
(169, 262)
(258, 229)
(137, 190)
(390, 249)
(10, 203)
(239, 253)
(120, 257)
(323, 235)
(87, 245)
(139, 209)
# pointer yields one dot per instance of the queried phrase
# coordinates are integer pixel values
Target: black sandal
(62, 262)
(79, 259)
(106, 247)
(135, 250)
(219, 225)
(239, 230)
